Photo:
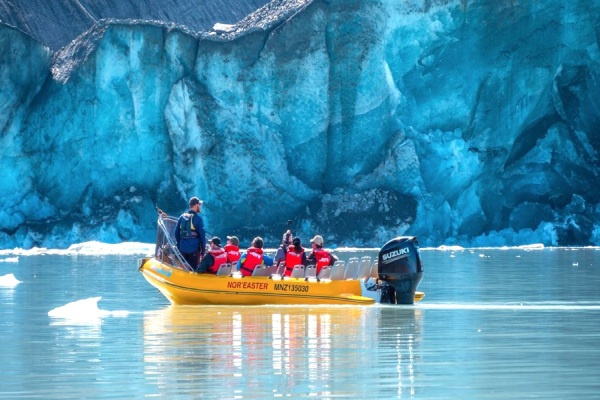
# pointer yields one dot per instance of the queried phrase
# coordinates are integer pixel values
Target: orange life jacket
(292, 258)
(220, 257)
(233, 253)
(322, 258)
(254, 257)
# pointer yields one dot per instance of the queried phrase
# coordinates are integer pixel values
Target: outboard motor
(400, 270)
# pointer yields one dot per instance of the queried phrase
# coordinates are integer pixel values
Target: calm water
(495, 324)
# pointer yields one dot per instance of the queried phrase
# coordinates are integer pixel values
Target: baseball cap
(215, 240)
(297, 241)
(194, 200)
(318, 240)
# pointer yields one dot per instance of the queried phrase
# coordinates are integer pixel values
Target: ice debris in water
(9, 281)
(85, 310)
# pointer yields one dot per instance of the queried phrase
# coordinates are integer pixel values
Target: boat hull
(189, 288)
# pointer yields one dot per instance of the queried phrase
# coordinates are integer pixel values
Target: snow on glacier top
(57, 23)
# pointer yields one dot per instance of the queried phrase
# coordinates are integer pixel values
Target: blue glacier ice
(465, 122)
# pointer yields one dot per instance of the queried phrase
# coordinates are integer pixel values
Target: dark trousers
(192, 259)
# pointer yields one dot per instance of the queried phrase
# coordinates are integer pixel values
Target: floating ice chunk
(9, 281)
(10, 260)
(84, 311)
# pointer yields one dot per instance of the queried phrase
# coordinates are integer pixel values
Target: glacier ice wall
(469, 122)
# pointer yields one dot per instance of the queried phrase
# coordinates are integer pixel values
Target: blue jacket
(268, 261)
(189, 233)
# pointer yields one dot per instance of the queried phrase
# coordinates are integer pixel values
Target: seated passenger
(232, 249)
(214, 258)
(319, 256)
(253, 257)
(295, 255)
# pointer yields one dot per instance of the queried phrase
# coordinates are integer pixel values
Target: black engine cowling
(400, 270)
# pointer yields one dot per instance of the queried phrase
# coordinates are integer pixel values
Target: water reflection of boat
(284, 350)
(393, 278)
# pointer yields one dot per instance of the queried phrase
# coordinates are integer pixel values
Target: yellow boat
(190, 288)
(359, 282)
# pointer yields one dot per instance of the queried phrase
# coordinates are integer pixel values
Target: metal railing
(166, 248)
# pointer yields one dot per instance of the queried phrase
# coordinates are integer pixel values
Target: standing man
(319, 256)
(190, 235)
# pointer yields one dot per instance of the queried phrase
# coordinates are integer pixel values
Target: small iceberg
(10, 260)
(9, 281)
(84, 311)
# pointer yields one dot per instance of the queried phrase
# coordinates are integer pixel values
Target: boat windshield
(166, 249)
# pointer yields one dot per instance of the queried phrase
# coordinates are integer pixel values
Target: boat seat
(310, 272)
(324, 273)
(337, 271)
(364, 268)
(224, 269)
(297, 272)
(273, 269)
(352, 268)
(281, 269)
(264, 270)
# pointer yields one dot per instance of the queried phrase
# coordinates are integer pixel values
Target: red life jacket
(322, 258)
(220, 258)
(233, 253)
(254, 257)
(292, 258)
